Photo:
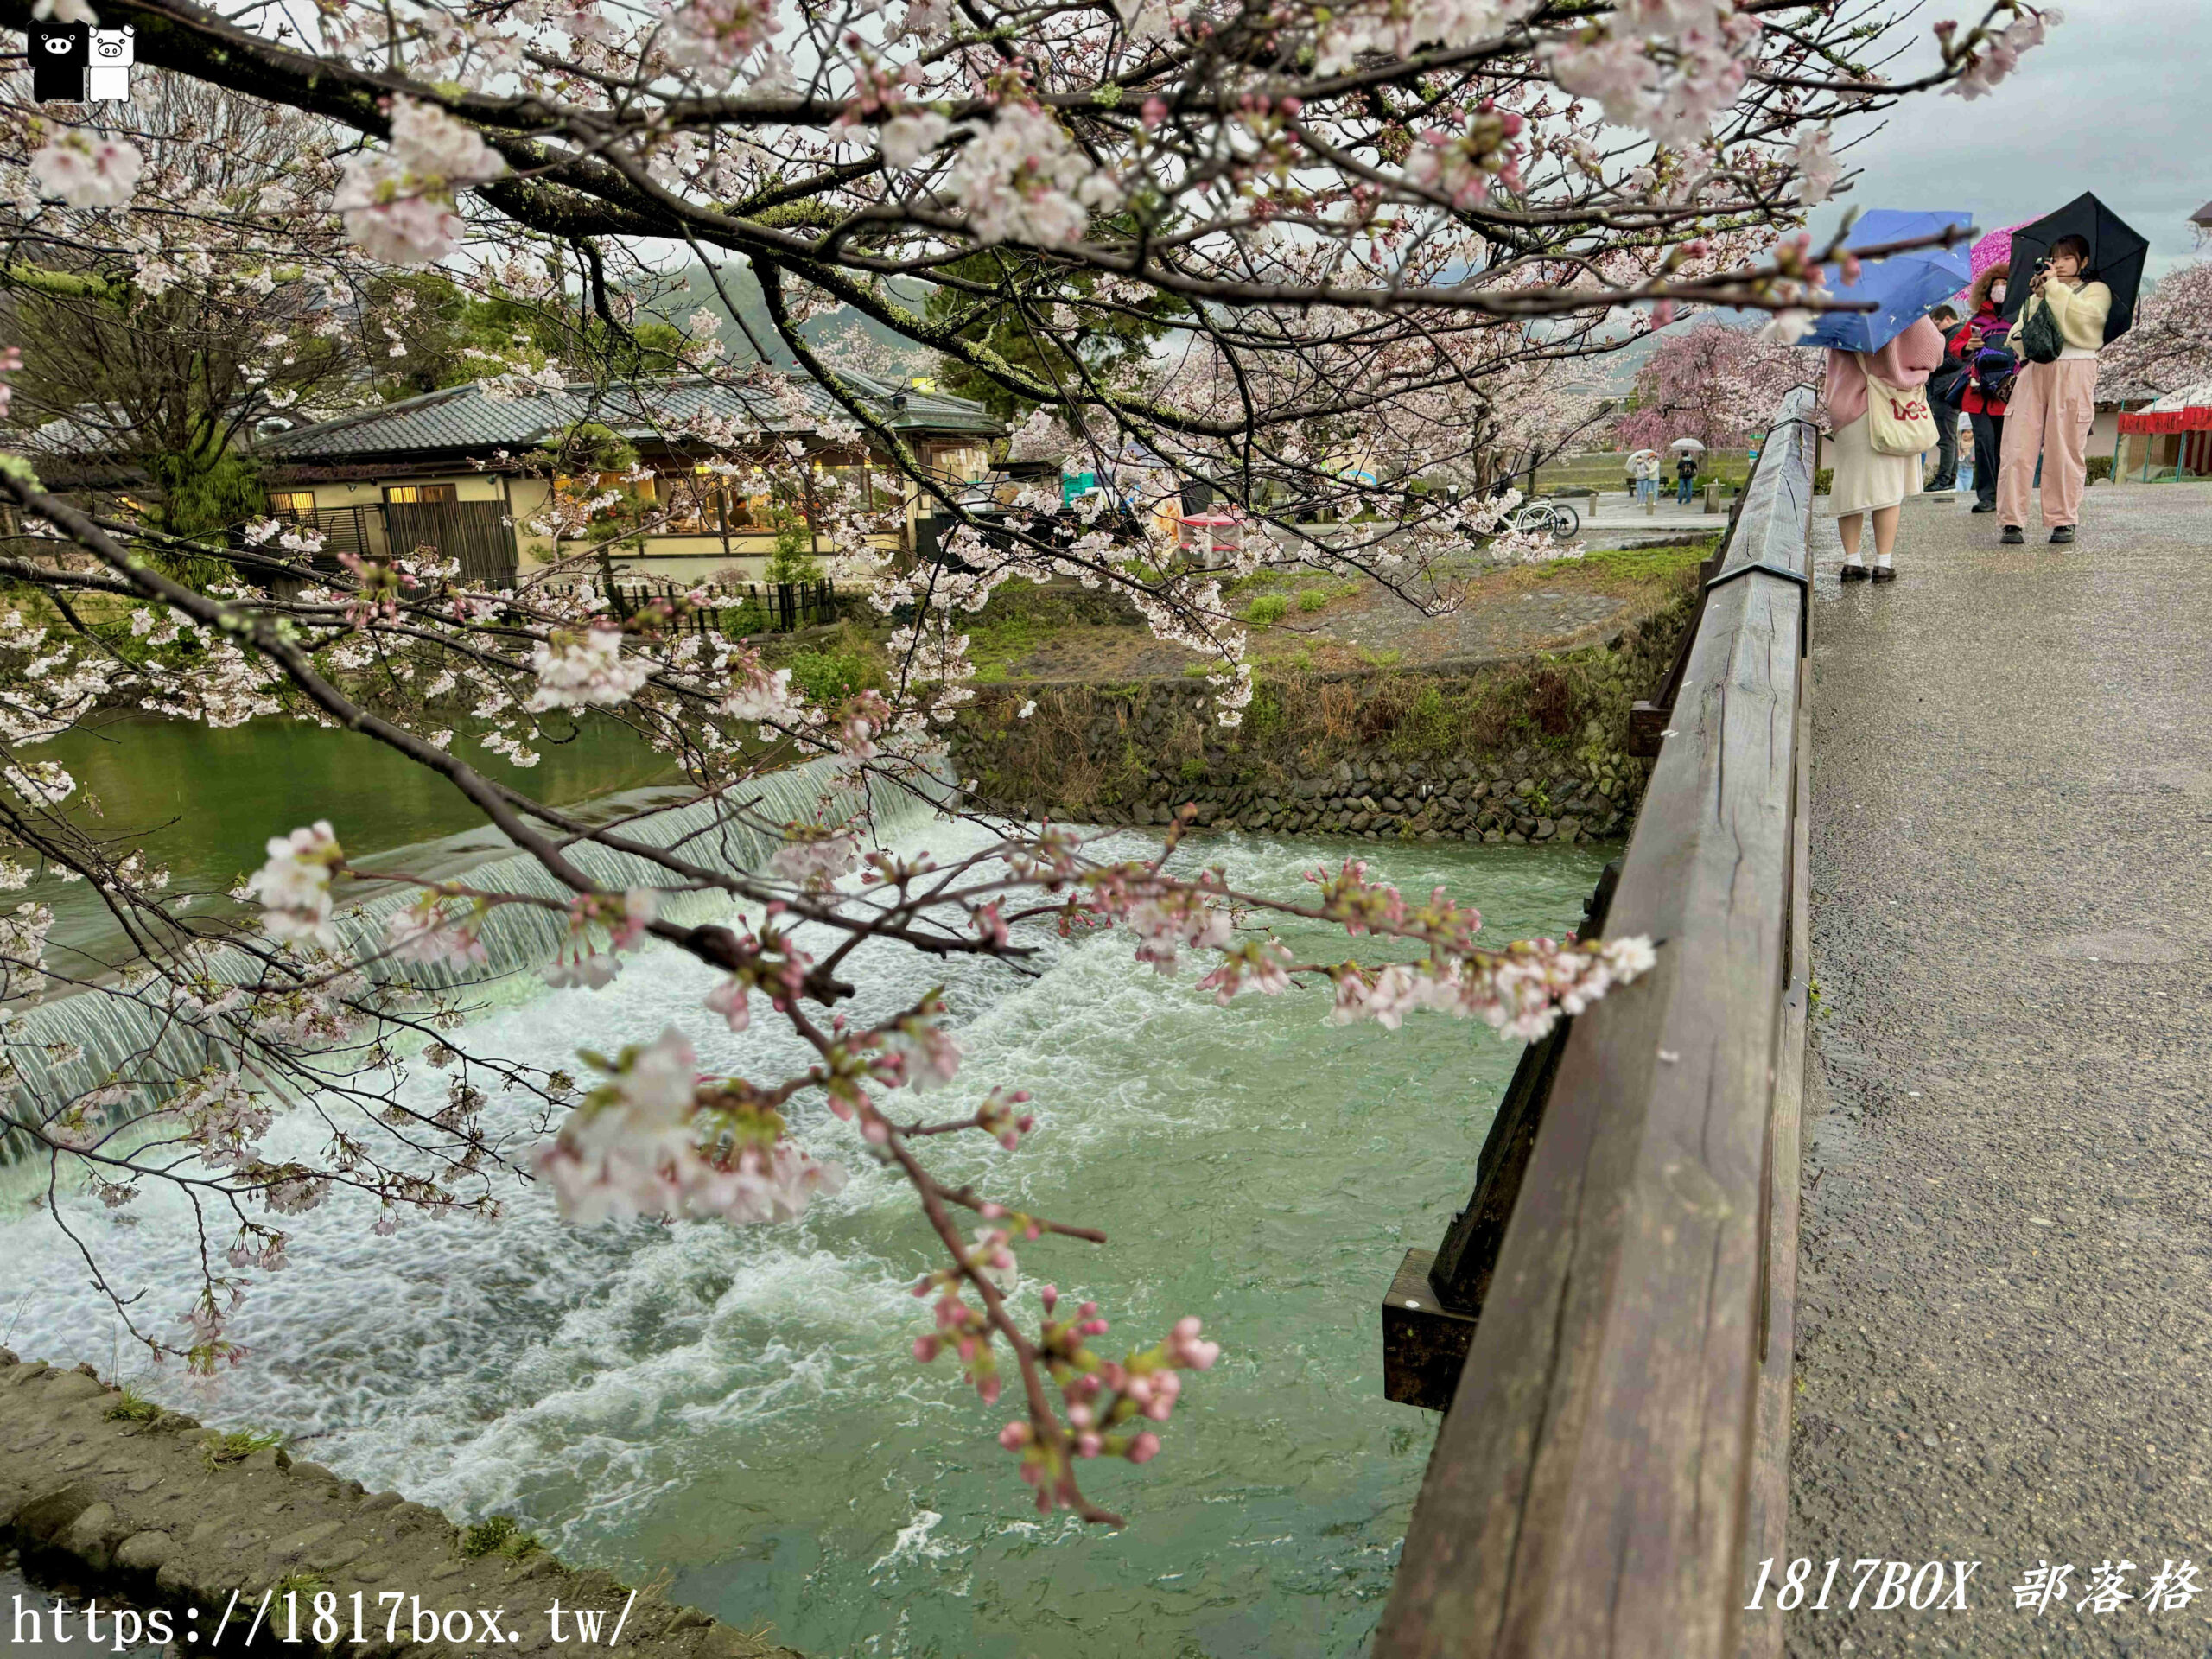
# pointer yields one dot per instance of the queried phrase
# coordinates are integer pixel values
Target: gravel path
(2006, 1258)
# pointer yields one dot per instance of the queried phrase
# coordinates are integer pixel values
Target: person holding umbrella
(2075, 277)
(1879, 362)
(1979, 392)
(1644, 467)
(1867, 479)
(1686, 450)
(2054, 400)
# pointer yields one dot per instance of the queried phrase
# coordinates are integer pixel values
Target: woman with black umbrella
(2055, 402)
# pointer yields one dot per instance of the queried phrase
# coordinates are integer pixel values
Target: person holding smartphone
(2054, 403)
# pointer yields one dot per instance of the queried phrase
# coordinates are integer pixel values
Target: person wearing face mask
(1985, 325)
(2054, 403)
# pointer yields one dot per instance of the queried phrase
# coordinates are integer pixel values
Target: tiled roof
(462, 421)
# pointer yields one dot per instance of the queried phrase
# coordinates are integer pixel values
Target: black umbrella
(2115, 257)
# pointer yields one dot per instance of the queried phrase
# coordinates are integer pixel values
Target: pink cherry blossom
(1022, 179)
(294, 886)
(586, 669)
(87, 171)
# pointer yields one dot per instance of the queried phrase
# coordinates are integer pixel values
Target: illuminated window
(292, 504)
(689, 502)
(408, 495)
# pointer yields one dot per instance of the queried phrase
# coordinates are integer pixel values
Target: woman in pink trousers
(1866, 482)
(2054, 403)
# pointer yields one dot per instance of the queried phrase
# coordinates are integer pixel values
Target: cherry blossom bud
(1049, 1295)
(988, 1388)
(1154, 110)
(1013, 1437)
(1088, 1445)
(1144, 1448)
(925, 1349)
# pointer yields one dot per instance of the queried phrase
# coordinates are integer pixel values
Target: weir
(111, 1033)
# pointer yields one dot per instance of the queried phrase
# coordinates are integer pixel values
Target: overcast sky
(2114, 102)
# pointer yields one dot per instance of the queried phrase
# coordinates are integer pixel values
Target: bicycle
(1541, 518)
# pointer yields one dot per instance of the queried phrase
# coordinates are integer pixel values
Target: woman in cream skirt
(1865, 482)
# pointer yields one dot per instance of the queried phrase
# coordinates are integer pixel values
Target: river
(202, 801)
(740, 1409)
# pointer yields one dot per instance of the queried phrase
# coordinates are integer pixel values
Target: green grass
(1266, 609)
(130, 1406)
(502, 1534)
(237, 1445)
(1641, 564)
(1314, 599)
(299, 1582)
(1606, 472)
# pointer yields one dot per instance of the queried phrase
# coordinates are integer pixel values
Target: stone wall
(1526, 750)
(120, 1500)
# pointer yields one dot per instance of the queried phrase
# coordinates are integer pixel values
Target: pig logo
(108, 75)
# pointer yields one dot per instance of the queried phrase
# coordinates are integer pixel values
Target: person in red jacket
(1984, 325)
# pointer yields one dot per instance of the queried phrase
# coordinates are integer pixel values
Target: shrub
(793, 558)
(1824, 481)
(827, 677)
(2100, 468)
(1266, 608)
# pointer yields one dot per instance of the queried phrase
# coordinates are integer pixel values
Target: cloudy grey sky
(2113, 102)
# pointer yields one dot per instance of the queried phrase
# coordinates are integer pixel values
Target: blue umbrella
(1903, 286)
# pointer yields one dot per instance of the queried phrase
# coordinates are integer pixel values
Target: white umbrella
(1687, 443)
(1639, 455)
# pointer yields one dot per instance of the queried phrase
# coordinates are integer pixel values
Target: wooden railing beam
(1590, 1489)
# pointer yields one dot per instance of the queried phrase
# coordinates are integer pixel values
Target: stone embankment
(1526, 797)
(118, 1500)
(1531, 749)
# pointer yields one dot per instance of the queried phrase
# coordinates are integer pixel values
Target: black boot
(2012, 537)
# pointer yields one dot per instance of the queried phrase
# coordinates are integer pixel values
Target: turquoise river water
(739, 1410)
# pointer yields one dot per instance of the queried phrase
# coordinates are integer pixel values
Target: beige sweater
(2079, 312)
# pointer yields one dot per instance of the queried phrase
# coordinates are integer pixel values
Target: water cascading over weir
(72, 1045)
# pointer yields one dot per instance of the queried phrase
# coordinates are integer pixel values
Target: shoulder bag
(2040, 339)
(1898, 420)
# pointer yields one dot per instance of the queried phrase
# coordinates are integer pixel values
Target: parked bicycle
(1539, 517)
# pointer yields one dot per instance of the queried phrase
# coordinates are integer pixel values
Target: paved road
(2006, 1315)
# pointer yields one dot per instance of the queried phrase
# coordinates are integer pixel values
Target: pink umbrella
(1995, 249)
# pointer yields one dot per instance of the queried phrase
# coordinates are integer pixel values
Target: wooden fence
(1613, 1463)
(756, 607)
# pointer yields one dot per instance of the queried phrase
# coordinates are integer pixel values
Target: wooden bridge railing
(1616, 1448)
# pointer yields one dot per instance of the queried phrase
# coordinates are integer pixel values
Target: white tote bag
(1898, 420)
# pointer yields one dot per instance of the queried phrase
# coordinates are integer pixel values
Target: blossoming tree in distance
(1319, 258)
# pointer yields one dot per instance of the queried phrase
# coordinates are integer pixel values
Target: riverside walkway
(2005, 1268)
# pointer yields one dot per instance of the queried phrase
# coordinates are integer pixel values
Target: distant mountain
(737, 280)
